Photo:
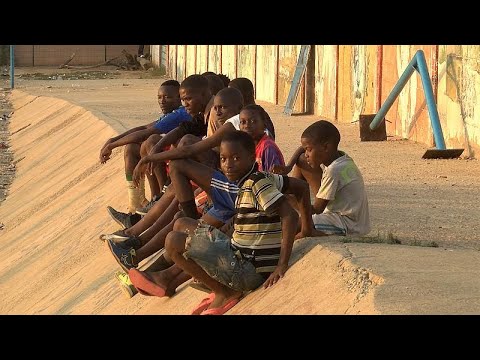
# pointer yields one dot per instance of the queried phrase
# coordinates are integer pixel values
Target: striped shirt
(258, 231)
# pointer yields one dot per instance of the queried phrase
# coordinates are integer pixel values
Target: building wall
(349, 80)
(191, 60)
(287, 60)
(325, 81)
(229, 58)
(55, 55)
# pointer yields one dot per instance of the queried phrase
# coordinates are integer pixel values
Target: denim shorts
(211, 249)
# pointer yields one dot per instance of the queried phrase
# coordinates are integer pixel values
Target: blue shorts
(223, 194)
(210, 248)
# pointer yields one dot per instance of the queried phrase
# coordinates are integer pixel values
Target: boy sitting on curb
(265, 227)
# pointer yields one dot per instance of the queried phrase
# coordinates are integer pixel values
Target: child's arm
(169, 139)
(289, 219)
(110, 141)
(271, 157)
(284, 170)
(301, 191)
(319, 205)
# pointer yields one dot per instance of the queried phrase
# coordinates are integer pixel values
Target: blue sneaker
(123, 219)
(124, 257)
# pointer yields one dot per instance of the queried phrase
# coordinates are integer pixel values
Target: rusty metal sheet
(325, 81)
(287, 62)
(181, 62)
(214, 58)
(228, 60)
(172, 61)
(246, 62)
(266, 71)
(191, 58)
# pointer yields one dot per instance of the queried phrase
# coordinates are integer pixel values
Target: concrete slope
(52, 261)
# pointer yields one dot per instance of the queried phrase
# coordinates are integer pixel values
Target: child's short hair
(242, 84)
(242, 138)
(234, 94)
(225, 79)
(171, 83)
(254, 107)
(214, 83)
(195, 82)
(321, 132)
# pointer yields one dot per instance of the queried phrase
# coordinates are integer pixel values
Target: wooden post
(235, 59)
(378, 101)
(195, 60)
(220, 56)
(255, 70)
(276, 73)
(337, 60)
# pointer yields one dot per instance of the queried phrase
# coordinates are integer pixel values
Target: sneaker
(143, 211)
(117, 236)
(123, 219)
(125, 284)
(124, 257)
(123, 241)
(132, 242)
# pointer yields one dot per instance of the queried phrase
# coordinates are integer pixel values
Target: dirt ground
(7, 169)
(55, 211)
(414, 201)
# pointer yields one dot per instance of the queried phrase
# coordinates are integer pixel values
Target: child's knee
(175, 243)
(188, 139)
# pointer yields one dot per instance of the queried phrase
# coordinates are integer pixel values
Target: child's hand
(138, 173)
(279, 272)
(303, 234)
(105, 154)
(280, 169)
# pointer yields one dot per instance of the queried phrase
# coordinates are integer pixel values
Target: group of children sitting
(223, 210)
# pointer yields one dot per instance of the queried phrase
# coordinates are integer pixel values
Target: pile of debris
(126, 61)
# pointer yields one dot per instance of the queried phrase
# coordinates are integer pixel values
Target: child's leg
(136, 196)
(151, 246)
(206, 254)
(153, 214)
(159, 177)
(181, 172)
(160, 223)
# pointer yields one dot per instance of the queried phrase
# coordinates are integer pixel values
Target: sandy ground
(56, 209)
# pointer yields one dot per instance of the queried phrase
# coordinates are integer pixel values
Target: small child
(265, 227)
(253, 120)
(341, 205)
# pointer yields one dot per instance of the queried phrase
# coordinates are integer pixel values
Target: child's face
(193, 100)
(224, 109)
(252, 123)
(168, 98)
(235, 161)
(315, 154)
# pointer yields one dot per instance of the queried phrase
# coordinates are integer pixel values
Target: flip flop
(221, 310)
(143, 282)
(204, 304)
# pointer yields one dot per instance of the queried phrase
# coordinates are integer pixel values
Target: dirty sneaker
(125, 284)
(117, 236)
(143, 211)
(123, 219)
(124, 257)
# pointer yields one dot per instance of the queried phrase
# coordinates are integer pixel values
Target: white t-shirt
(342, 184)
(235, 121)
